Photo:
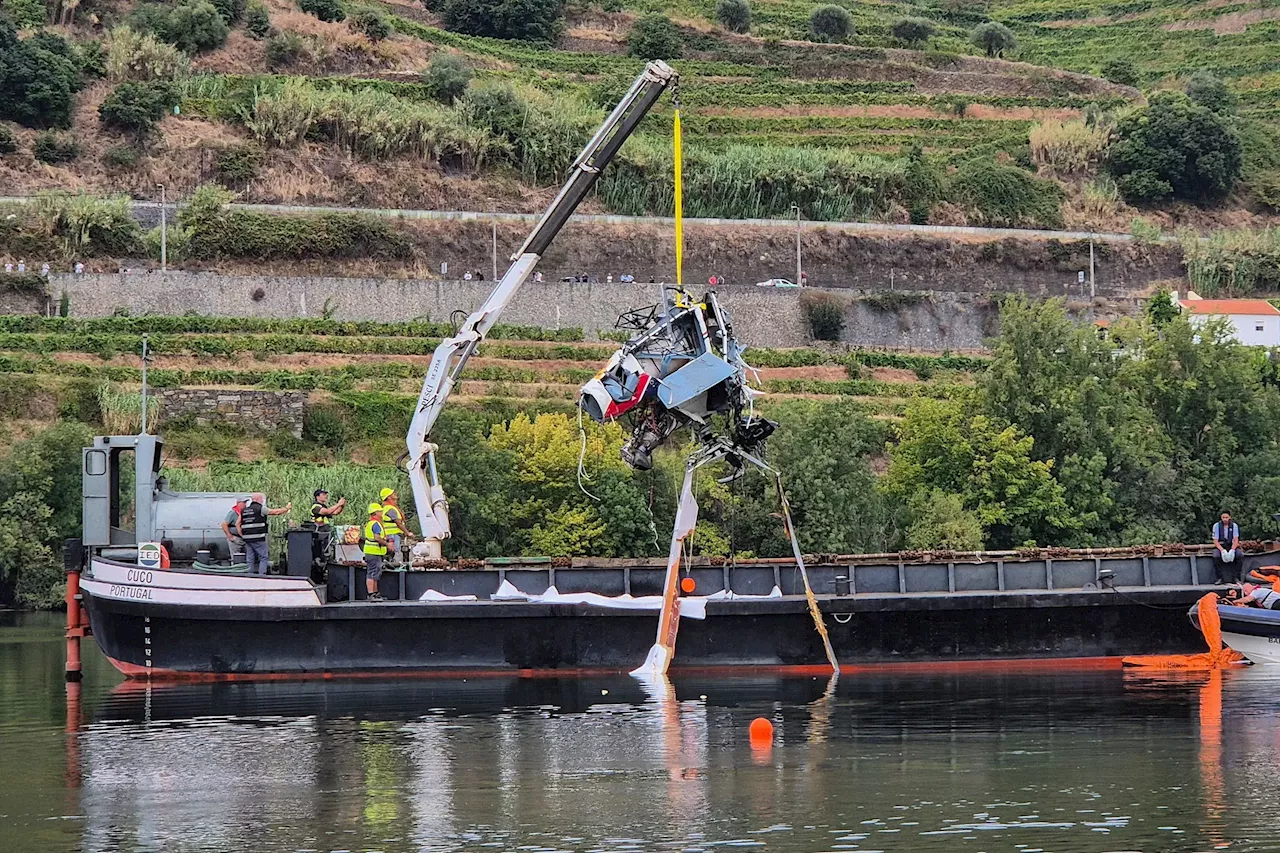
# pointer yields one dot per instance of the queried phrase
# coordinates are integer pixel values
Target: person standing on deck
(252, 528)
(375, 551)
(392, 518)
(321, 513)
(229, 526)
(1226, 549)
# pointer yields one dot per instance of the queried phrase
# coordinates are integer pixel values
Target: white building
(1256, 321)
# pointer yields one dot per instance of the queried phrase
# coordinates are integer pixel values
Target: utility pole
(799, 269)
(144, 385)
(164, 255)
(493, 222)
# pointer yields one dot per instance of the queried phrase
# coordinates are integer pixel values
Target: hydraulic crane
(452, 354)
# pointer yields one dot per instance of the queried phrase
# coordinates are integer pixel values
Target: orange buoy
(761, 732)
(687, 585)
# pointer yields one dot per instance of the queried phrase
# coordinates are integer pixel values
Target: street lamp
(164, 236)
(796, 208)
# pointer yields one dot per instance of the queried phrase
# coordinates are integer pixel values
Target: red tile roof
(1229, 306)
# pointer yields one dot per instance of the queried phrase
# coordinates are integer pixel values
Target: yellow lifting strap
(678, 155)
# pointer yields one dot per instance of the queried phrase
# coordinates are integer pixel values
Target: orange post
(75, 630)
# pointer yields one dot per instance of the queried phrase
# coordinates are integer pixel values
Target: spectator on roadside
(44, 270)
(538, 276)
(79, 268)
(1226, 549)
(8, 266)
(609, 278)
(466, 276)
(22, 265)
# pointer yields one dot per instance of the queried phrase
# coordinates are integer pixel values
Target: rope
(582, 457)
(237, 568)
(678, 147)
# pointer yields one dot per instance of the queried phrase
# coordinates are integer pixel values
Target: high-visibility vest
(391, 519)
(316, 518)
(372, 546)
(253, 523)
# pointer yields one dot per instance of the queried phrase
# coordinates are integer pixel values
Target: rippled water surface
(1063, 760)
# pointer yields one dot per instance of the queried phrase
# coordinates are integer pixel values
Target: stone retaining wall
(253, 411)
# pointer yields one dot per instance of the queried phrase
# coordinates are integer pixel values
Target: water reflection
(1063, 761)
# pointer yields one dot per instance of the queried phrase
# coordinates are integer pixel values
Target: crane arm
(452, 354)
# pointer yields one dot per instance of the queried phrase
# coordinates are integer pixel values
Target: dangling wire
(677, 150)
(582, 457)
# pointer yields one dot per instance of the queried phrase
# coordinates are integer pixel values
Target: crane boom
(452, 354)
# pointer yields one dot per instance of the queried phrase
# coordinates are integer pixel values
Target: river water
(987, 760)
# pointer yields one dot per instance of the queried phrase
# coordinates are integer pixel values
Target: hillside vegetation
(941, 112)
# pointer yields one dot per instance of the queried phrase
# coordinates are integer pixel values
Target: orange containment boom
(1218, 655)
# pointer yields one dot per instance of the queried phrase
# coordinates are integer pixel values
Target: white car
(776, 282)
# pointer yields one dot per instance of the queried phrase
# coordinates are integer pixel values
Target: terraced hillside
(872, 128)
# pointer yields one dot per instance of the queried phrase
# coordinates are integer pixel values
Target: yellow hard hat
(375, 508)
(386, 493)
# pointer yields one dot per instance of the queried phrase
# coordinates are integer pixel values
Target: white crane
(451, 356)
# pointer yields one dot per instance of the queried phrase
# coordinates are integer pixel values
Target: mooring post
(75, 627)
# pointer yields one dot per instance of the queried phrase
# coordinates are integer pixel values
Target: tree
(994, 38)
(1121, 70)
(230, 10)
(526, 20)
(1160, 309)
(26, 14)
(944, 450)
(447, 77)
(137, 107)
(1174, 148)
(1211, 93)
(257, 21)
(372, 24)
(325, 10)
(654, 37)
(40, 502)
(830, 23)
(734, 15)
(38, 76)
(913, 31)
(196, 26)
(8, 141)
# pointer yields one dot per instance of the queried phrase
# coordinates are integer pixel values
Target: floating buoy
(761, 732)
(687, 585)
(604, 692)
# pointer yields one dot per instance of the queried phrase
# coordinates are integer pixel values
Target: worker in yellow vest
(392, 519)
(375, 551)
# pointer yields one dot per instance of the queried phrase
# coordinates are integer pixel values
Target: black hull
(420, 637)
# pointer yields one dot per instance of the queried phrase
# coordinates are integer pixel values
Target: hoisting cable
(677, 156)
(582, 456)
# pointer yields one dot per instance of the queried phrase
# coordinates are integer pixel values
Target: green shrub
(257, 21)
(55, 148)
(372, 24)
(994, 38)
(26, 14)
(447, 77)
(93, 59)
(230, 10)
(826, 320)
(195, 26)
(120, 157)
(1144, 232)
(137, 107)
(654, 37)
(324, 425)
(1069, 147)
(8, 140)
(830, 23)
(1121, 70)
(913, 31)
(1005, 196)
(325, 10)
(134, 55)
(1176, 148)
(239, 164)
(38, 76)
(526, 20)
(734, 15)
(285, 49)
(1211, 93)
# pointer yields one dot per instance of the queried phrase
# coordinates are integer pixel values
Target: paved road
(148, 213)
